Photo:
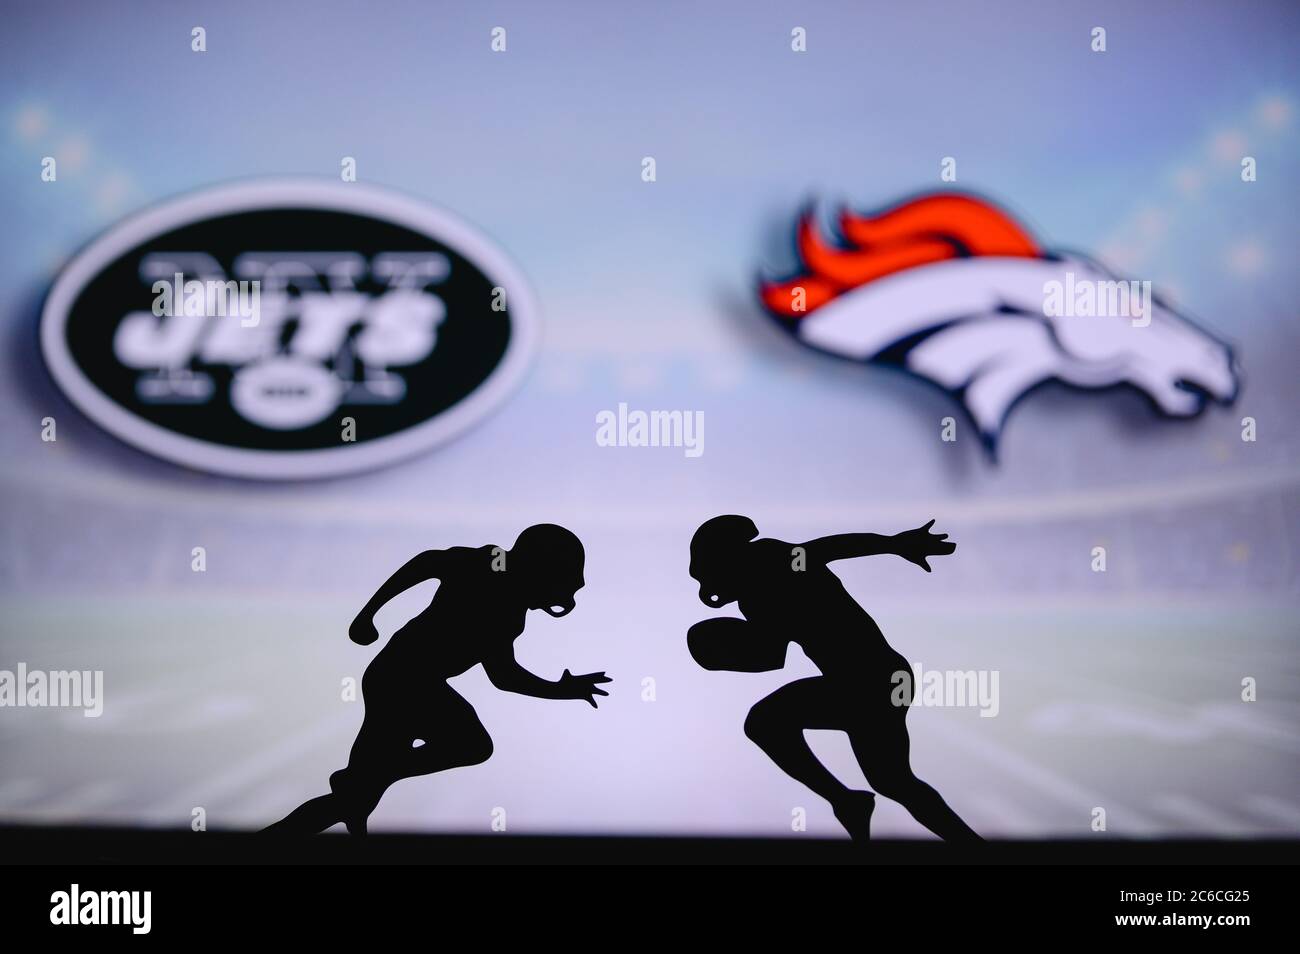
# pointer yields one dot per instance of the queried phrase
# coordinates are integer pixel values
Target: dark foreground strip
(223, 886)
(125, 846)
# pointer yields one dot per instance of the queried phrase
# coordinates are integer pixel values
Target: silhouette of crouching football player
(415, 723)
(787, 593)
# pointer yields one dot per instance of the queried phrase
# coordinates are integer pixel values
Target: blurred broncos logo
(952, 289)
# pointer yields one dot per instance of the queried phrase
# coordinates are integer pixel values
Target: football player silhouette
(787, 593)
(415, 723)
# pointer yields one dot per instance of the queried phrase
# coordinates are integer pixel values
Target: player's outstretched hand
(362, 631)
(915, 546)
(585, 686)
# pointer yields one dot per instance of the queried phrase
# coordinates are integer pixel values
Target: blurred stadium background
(1118, 690)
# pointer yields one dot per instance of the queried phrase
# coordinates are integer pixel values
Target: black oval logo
(288, 329)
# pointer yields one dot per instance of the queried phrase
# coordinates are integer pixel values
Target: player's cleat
(854, 813)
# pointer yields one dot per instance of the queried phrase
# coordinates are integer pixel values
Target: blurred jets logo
(288, 329)
(952, 289)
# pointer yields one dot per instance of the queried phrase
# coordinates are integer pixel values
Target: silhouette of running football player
(415, 723)
(787, 593)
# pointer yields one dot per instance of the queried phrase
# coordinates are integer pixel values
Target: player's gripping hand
(915, 546)
(362, 631)
(585, 686)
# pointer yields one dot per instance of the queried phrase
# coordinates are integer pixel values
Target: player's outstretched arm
(847, 546)
(504, 671)
(428, 565)
(915, 546)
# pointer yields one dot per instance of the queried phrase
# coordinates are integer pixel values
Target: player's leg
(373, 765)
(354, 791)
(776, 725)
(309, 818)
(882, 748)
(398, 742)
(450, 736)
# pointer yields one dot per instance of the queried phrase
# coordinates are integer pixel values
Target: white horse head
(990, 327)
